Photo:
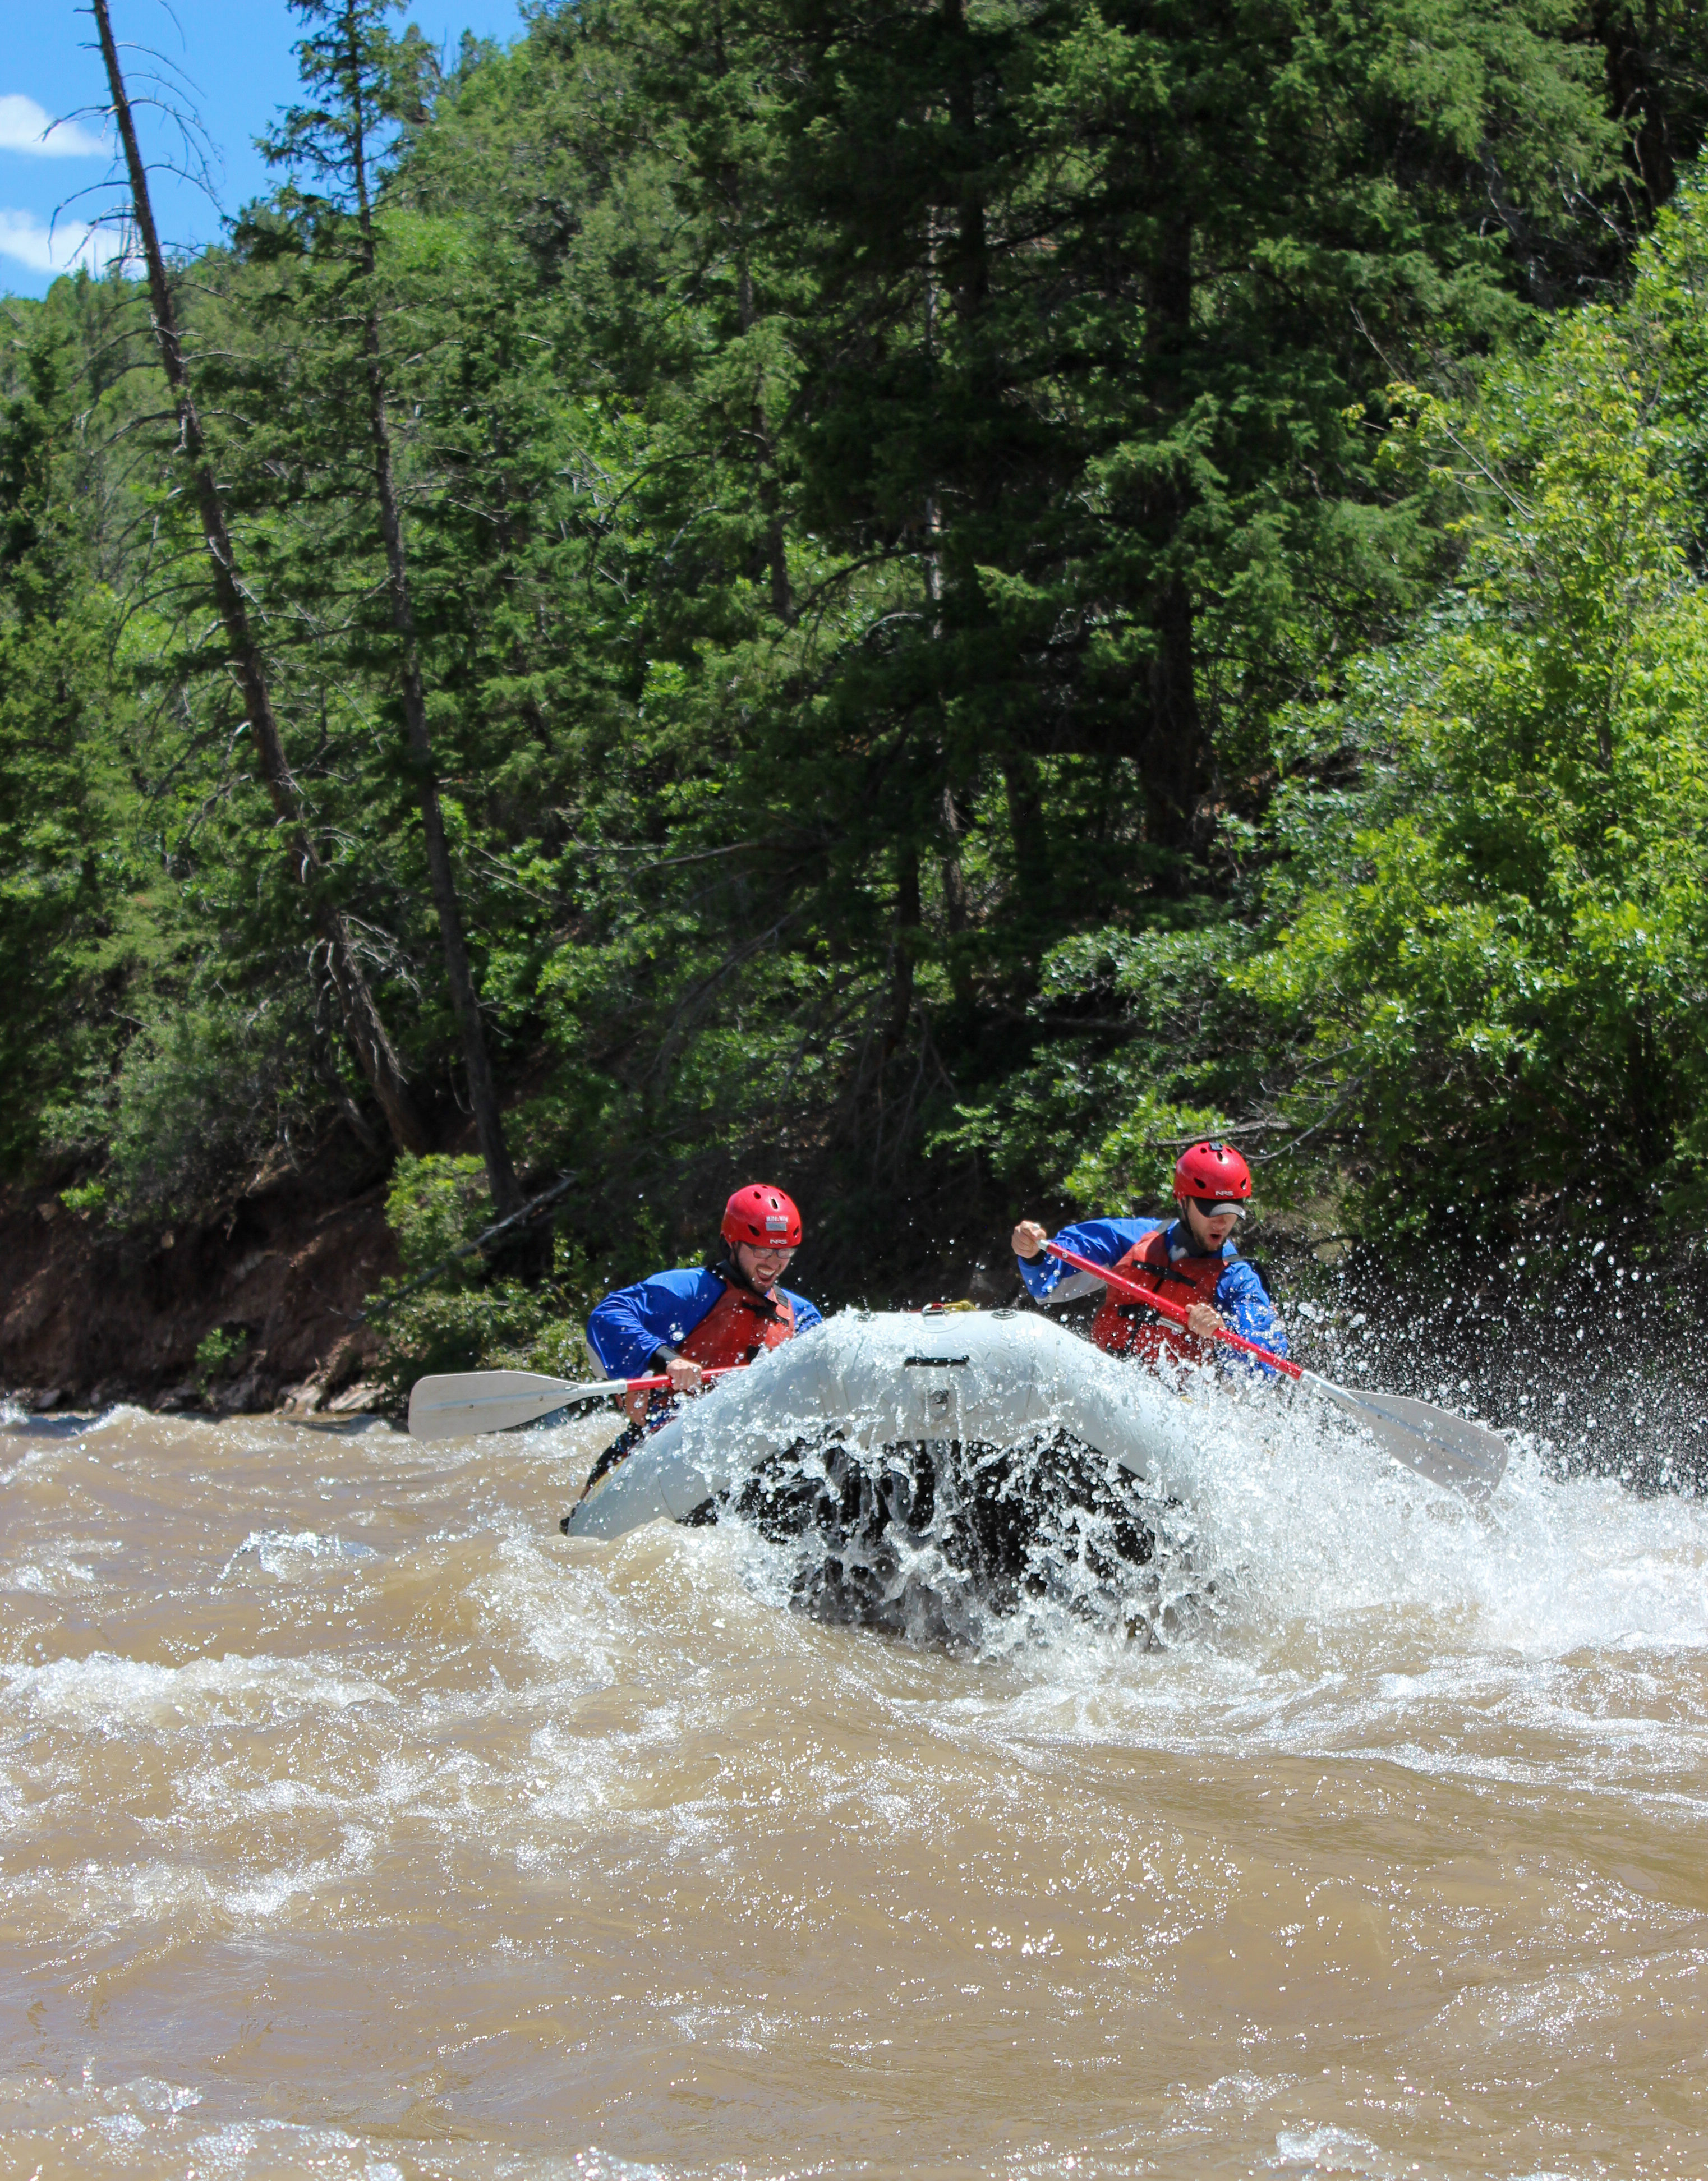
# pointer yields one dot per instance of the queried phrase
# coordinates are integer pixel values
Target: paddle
(465, 1403)
(1447, 1450)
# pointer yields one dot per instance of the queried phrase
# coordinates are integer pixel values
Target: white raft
(972, 1378)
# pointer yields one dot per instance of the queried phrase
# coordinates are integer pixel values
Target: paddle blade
(1449, 1451)
(461, 1404)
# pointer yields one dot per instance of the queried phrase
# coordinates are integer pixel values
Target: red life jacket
(738, 1324)
(1122, 1327)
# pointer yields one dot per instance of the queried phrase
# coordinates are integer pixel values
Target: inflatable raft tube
(929, 1469)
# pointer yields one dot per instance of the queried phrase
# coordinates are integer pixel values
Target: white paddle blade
(1449, 1451)
(464, 1403)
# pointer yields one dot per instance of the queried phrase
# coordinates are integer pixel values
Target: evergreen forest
(922, 598)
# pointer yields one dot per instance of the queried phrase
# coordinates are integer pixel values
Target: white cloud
(24, 125)
(70, 243)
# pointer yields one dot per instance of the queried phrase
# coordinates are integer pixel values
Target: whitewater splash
(1274, 1514)
(352, 1816)
(945, 1477)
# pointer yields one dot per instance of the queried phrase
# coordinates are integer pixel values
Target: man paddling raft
(658, 1320)
(680, 1324)
(661, 1320)
(1191, 1260)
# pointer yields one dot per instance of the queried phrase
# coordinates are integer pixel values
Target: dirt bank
(88, 1317)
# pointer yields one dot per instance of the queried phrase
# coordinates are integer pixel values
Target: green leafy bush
(1158, 1052)
(205, 1095)
(464, 1319)
(1494, 956)
(216, 1353)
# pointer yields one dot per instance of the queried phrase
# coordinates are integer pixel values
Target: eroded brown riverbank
(89, 1316)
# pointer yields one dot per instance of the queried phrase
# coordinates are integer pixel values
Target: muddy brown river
(353, 1822)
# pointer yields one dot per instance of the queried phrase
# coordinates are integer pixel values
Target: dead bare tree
(362, 1021)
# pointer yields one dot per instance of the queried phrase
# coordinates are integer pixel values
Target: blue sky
(235, 59)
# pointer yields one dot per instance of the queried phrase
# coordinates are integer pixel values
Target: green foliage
(207, 1098)
(948, 664)
(434, 1206)
(1498, 946)
(1157, 1055)
(465, 1319)
(80, 915)
(216, 1354)
(1479, 970)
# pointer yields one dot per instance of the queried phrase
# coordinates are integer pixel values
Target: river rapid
(355, 1822)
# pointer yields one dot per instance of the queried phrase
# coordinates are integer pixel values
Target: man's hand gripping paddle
(1447, 1450)
(467, 1402)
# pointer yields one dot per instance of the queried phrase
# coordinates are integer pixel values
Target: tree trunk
(909, 917)
(1636, 94)
(501, 1175)
(775, 542)
(1171, 761)
(1026, 828)
(955, 916)
(969, 278)
(954, 879)
(362, 1019)
(1173, 753)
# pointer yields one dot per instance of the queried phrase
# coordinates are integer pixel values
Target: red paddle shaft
(1174, 1310)
(648, 1385)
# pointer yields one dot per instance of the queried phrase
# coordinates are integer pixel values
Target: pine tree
(352, 64)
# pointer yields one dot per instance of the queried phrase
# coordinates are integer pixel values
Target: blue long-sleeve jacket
(627, 1329)
(1240, 1295)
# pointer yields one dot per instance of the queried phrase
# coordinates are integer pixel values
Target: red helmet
(1212, 1174)
(763, 1217)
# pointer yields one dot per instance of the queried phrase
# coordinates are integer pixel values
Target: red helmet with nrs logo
(761, 1217)
(1212, 1174)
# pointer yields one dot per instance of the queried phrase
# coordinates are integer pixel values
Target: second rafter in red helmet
(763, 1217)
(1213, 1174)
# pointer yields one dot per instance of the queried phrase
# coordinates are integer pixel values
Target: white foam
(262, 1899)
(287, 1554)
(283, 2145)
(116, 1693)
(1330, 2150)
(154, 2095)
(1299, 1521)
(1553, 1633)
